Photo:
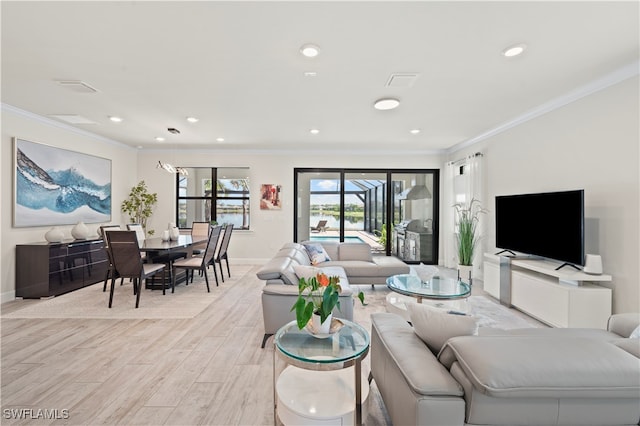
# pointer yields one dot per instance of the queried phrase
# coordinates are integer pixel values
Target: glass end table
(323, 377)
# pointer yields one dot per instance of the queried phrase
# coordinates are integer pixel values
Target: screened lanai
(350, 205)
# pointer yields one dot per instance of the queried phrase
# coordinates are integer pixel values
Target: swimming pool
(346, 239)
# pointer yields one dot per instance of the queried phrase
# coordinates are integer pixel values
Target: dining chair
(140, 235)
(110, 269)
(127, 262)
(200, 232)
(200, 263)
(167, 258)
(221, 254)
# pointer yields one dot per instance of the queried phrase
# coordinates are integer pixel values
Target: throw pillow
(435, 327)
(305, 271)
(317, 253)
(635, 334)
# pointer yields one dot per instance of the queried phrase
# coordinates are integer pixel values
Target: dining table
(156, 247)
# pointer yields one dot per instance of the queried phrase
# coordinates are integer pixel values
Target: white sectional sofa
(516, 377)
(353, 262)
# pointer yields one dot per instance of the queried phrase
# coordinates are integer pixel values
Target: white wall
(31, 128)
(270, 229)
(592, 144)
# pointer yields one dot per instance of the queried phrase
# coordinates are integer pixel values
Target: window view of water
(233, 218)
(351, 223)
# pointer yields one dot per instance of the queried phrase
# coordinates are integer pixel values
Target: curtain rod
(477, 154)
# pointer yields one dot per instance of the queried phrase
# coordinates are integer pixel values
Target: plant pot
(464, 273)
(321, 328)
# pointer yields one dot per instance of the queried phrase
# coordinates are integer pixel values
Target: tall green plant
(139, 205)
(467, 218)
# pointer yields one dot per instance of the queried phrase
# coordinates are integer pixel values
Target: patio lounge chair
(320, 227)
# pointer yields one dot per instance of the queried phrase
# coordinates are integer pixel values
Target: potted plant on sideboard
(139, 205)
(467, 218)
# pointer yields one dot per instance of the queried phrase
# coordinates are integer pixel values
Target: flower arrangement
(318, 295)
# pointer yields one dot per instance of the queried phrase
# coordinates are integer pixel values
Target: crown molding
(618, 76)
(53, 123)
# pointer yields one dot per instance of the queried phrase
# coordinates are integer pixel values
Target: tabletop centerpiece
(317, 297)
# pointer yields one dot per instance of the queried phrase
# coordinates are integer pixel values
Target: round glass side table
(443, 293)
(323, 377)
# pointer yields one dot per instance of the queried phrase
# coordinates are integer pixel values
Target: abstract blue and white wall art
(55, 186)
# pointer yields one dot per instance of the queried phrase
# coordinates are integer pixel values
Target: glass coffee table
(322, 381)
(439, 292)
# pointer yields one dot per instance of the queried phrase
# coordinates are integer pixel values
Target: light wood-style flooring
(207, 370)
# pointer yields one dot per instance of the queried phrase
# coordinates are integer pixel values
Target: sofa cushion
(316, 252)
(272, 270)
(435, 327)
(593, 333)
(306, 271)
(355, 251)
(544, 367)
(389, 265)
(630, 345)
(354, 268)
(419, 367)
(635, 334)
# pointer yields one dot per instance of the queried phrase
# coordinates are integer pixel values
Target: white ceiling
(236, 66)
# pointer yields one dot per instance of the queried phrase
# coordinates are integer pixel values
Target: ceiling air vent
(77, 86)
(73, 118)
(402, 80)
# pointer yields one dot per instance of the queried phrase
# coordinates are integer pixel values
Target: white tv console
(560, 298)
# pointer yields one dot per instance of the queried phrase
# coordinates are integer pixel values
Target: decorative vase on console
(174, 232)
(80, 231)
(54, 235)
(165, 235)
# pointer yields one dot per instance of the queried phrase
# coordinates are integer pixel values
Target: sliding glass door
(394, 211)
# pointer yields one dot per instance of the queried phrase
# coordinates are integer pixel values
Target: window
(380, 207)
(227, 204)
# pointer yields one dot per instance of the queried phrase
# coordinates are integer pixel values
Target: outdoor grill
(412, 241)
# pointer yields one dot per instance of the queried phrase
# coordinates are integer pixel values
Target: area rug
(91, 302)
(492, 314)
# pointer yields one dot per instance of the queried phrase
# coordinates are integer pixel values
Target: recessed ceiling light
(386, 104)
(310, 74)
(414, 131)
(139, 147)
(160, 139)
(310, 50)
(192, 120)
(115, 119)
(515, 50)
(314, 131)
(219, 139)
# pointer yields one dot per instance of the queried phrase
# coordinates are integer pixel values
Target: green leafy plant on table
(467, 218)
(318, 295)
(139, 205)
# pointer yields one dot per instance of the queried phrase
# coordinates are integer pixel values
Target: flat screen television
(549, 224)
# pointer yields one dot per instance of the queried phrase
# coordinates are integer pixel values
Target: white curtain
(463, 182)
(448, 218)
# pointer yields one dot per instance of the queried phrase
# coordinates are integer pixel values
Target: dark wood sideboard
(49, 269)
